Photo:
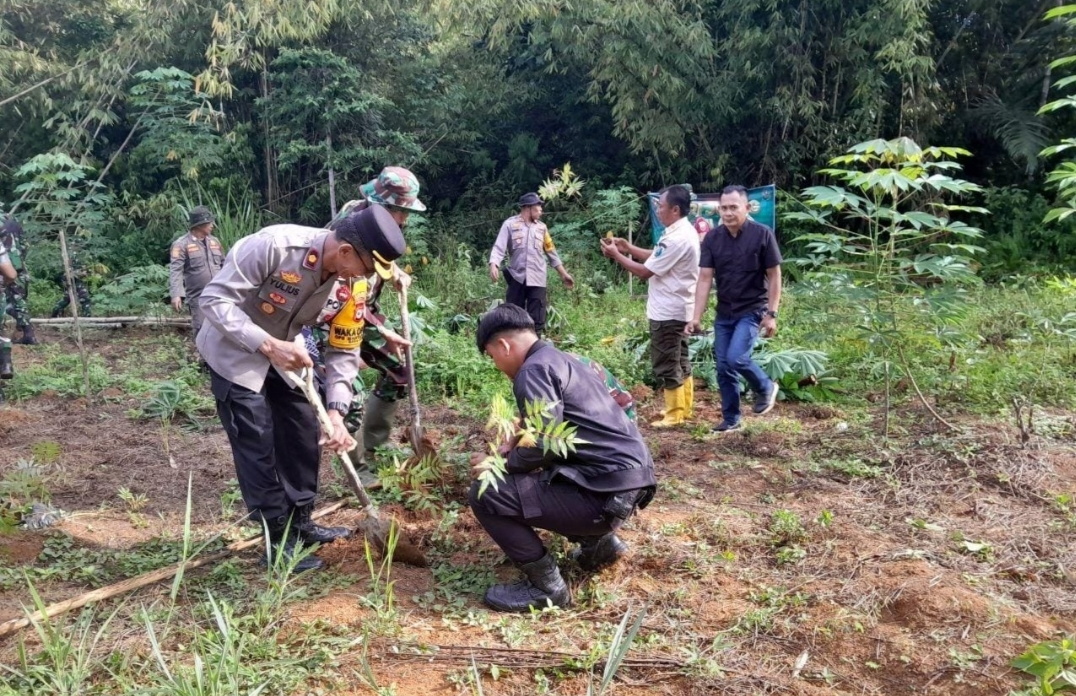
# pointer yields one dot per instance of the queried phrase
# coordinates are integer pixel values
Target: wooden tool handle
(416, 418)
(311, 393)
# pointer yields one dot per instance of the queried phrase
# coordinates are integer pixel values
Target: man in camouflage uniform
(526, 242)
(397, 190)
(617, 391)
(82, 293)
(11, 235)
(195, 258)
(7, 276)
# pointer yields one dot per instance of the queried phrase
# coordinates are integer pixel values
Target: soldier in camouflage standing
(7, 277)
(11, 235)
(397, 190)
(195, 258)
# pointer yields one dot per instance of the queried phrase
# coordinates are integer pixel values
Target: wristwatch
(340, 407)
(771, 313)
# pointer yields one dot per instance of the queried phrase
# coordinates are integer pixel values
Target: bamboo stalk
(150, 578)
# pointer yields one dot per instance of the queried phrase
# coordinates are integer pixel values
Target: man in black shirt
(744, 258)
(585, 496)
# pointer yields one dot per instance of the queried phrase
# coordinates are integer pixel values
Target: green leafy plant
(539, 427)
(140, 290)
(67, 661)
(20, 487)
(889, 245)
(619, 647)
(1053, 664)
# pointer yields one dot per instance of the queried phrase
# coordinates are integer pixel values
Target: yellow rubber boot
(689, 398)
(674, 408)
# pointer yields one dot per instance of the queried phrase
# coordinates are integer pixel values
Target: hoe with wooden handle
(375, 529)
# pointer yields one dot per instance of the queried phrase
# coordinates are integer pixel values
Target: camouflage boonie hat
(199, 215)
(394, 186)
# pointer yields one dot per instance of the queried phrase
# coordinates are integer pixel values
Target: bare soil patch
(924, 565)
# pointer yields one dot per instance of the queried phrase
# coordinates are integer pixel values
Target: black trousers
(530, 298)
(274, 437)
(523, 502)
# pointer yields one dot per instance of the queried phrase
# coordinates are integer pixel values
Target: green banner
(761, 207)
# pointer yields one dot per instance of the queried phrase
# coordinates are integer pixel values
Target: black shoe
(595, 553)
(283, 539)
(765, 402)
(28, 338)
(543, 586)
(313, 533)
(289, 547)
(7, 370)
(726, 427)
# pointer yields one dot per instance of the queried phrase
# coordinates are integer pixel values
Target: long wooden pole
(124, 586)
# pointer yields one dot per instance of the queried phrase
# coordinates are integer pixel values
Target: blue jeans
(734, 339)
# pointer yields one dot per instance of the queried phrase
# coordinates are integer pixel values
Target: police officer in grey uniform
(526, 241)
(274, 283)
(196, 257)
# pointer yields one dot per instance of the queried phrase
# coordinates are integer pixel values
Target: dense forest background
(116, 116)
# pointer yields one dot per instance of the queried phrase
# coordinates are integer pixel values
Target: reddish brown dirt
(886, 599)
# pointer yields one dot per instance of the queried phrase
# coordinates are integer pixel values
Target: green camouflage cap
(394, 186)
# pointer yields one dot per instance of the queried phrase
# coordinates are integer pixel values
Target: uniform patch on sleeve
(311, 260)
(547, 244)
(177, 252)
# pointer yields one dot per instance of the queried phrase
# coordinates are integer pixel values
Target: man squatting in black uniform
(586, 496)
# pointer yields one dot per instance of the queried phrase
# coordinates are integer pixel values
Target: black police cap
(373, 229)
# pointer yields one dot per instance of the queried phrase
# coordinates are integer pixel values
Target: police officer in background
(526, 241)
(196, 257)
(276, 282)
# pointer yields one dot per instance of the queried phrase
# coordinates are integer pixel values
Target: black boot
(28, 338)
(595, 553)
(541, 587)
(284, 539)
(7, 370)
(313, 533)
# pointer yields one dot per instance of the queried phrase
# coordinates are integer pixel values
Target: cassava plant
(542, 427)
(1064, 176)
(887, 243)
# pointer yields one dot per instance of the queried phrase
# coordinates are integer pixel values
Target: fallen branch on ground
(150, 578)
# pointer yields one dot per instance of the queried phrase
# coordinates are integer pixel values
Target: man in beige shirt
(526, 241)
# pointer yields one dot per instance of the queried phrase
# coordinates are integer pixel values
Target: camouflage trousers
(392, 382)
(85, 307)
(15, 303)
